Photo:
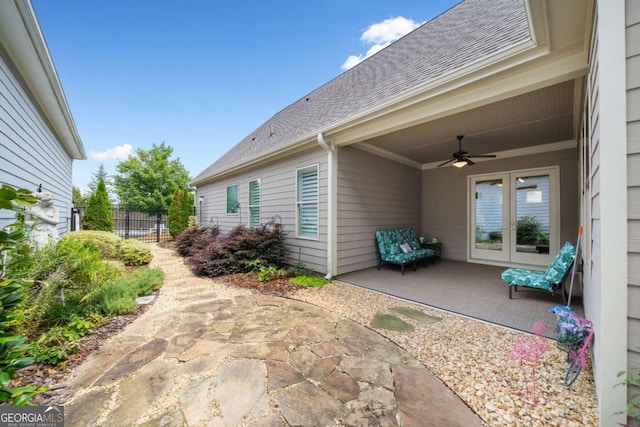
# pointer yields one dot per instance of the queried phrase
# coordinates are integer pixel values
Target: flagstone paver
(207, 354)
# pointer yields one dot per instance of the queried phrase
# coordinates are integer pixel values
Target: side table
(437, 247)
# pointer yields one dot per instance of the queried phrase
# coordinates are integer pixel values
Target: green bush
(134, 253)
(99, 213)
(108, 243)
(15, 263)
(115, 299)
(119, 296)
(131, 252)
(180, 210)
(528, 230)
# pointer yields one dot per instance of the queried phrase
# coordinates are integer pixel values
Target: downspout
(332, 211)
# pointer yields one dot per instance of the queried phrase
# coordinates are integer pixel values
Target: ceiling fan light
(460, 163)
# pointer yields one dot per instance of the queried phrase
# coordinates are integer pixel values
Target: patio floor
(472, 290)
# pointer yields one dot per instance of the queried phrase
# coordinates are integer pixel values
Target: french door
(515, 216)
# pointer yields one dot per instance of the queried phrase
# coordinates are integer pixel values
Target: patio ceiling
(539, 117)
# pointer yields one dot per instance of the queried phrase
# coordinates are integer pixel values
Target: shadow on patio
(473, 290)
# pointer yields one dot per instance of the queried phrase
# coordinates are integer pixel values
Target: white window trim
(259, 205)
(317, 202)
(226, 199)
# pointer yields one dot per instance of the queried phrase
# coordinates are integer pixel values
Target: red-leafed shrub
(236, 250)
(195, 238)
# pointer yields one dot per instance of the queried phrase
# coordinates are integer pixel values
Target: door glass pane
(488, 233)
(532, 214)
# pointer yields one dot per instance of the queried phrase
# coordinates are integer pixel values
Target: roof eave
(515, 55)
(22, 38)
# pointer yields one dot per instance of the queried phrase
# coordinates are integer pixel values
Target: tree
(179, 211)
(99, 215)
(79, 197)
(100, 174)
(149, 179)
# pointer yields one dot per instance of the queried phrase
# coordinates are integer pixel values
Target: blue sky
(201, 75)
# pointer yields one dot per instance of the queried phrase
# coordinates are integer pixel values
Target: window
(232, 199)
(307, 202)
(254, 203)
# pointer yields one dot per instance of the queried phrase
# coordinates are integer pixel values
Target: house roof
(463, 35)
(22, 39)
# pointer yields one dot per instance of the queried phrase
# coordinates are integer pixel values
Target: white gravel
(472, 358)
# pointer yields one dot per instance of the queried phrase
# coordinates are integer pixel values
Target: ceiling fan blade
(469, 162)
(488, 156)
(448, 161)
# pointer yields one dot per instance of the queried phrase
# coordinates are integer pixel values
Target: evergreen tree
(99, 214)
(179, 211)
(100, 174)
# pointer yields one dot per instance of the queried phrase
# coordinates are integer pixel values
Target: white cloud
(119, 152)
(381, 35)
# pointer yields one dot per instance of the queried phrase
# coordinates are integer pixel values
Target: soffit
(534, 118)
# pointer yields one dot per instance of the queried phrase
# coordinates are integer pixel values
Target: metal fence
(132, 224)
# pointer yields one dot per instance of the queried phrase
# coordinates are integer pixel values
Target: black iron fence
(132, 224)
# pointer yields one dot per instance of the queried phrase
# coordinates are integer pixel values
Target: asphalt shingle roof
(464, 34)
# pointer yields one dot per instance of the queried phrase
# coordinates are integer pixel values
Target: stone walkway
(206, 354)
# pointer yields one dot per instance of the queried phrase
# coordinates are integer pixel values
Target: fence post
(126, 222)
(75, 219)
(158, 219)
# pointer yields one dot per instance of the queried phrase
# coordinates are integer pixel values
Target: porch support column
(332, 206)
(611, 269)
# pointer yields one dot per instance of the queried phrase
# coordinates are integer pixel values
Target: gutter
(332, 211)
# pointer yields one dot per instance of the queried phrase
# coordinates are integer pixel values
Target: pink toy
(528, 350)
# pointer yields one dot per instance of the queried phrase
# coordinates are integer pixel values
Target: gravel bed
(472, 358)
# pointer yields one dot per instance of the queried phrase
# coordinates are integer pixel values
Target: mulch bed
(279, 287)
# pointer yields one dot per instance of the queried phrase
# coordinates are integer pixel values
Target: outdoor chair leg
(403, 269)
(510, 296)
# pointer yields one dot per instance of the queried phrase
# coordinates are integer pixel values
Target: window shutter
(254, 203)
(308, 202)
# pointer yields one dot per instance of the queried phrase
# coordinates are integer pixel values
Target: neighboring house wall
(30, 154)
(633, 174)
(445, 197)
(278, 198)
(373, 193)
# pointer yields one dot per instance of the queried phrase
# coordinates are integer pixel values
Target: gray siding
(633, 177)
(373, 193)
(30, 153)
(278, 198)
(444, 198)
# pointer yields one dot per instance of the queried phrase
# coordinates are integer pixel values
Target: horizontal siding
(633, 179)
(30, 154)
(278, 200)
(445, 206)
(373, 193)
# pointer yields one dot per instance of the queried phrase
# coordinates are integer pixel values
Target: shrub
(15, 262)
(99, 213)
(528, 230)
(119, 296)
(179, 211)
(134, 253)
(108, 243)
(195, 238)
(115, 299)
(241, 250)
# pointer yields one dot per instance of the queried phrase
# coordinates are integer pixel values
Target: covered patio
(472, 290)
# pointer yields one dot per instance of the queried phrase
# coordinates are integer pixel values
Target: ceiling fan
(463, 158)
